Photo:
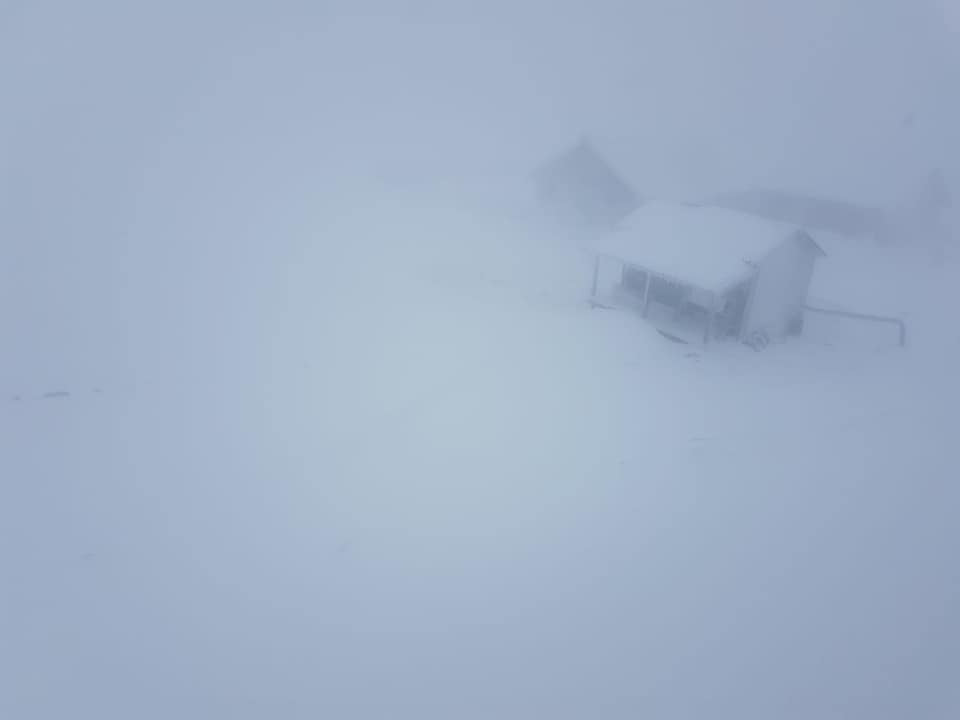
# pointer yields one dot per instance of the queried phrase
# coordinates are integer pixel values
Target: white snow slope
(417, 477)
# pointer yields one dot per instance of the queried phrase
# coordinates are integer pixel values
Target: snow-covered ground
(416, 476)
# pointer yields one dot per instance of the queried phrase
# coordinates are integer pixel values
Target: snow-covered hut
(707, 272)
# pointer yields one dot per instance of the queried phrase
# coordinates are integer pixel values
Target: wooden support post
(646, 294)
(596, 278)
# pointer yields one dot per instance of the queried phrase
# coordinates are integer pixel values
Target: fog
(303, 412)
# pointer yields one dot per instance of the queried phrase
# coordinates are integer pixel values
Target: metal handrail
(901, 325)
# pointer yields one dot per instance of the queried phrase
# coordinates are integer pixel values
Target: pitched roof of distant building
(599, 186)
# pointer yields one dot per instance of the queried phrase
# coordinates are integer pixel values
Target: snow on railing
(882, 319)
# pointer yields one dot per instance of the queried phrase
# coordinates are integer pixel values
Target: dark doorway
(634, 281)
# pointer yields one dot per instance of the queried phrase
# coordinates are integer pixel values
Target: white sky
(706, 95)
(951, 10)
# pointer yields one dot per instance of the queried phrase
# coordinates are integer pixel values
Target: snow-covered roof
(709, 247)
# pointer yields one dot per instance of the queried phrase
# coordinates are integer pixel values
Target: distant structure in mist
(813, 213)
(919, 218)
(581, 189)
